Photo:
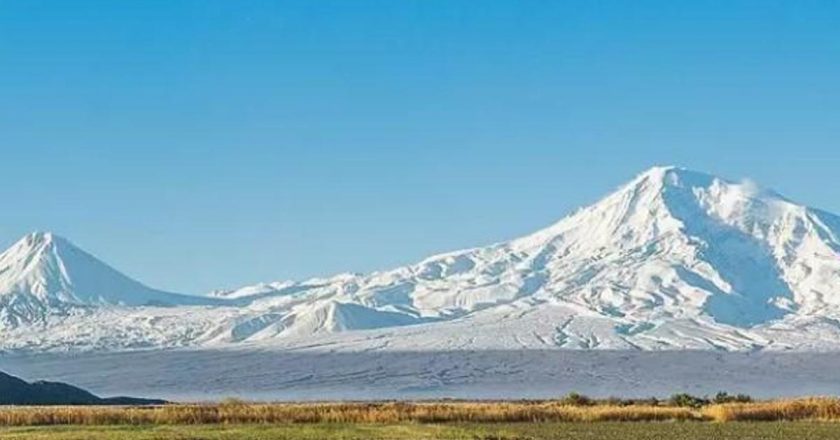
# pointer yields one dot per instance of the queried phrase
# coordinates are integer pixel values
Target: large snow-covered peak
(666, 200)
(635, 214)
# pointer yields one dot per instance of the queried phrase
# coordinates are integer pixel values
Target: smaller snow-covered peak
(43, 273)
(32, 253)
(38, 240)
(37, 248)
(38, 237)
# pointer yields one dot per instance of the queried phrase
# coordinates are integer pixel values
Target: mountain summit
(704, 245)
(674, 259)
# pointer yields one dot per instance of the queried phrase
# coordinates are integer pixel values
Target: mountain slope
(674, 259)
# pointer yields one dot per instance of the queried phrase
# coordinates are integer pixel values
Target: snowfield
(673, 260)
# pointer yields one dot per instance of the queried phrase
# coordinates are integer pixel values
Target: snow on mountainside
(674, 259)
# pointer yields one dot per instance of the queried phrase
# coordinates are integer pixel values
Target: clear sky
(206, 144)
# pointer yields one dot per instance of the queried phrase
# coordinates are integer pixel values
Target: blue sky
(205, 144)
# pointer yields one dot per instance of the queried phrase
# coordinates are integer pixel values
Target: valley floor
(513, 431)
(276, 375)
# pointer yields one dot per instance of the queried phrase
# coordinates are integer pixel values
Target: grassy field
(234, 412)
(358, 413)
(575, 418)
(499, 431)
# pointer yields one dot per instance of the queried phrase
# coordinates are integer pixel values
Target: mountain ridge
(673, 259)
(16, 391)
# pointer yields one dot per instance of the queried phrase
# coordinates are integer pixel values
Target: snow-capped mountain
(674, 259)
(43, 274)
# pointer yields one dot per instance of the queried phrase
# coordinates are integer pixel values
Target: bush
(576, 399)
(724, 397)
(650, 401)
(687, 400)
(617, 401)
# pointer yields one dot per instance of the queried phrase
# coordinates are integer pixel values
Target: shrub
(724, 397)
(687, 400)
(576, 399)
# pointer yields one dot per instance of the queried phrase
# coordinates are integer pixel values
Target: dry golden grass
(438, 412)
(816, 409)
(233, 412)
